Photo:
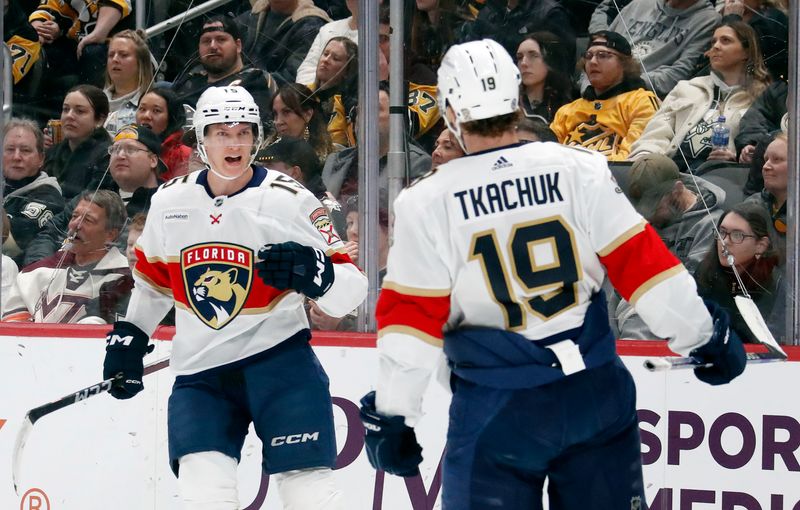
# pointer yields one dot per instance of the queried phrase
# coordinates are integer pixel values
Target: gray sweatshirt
(667, 41)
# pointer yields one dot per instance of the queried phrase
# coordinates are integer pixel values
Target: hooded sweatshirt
(689, 238)
(668, 41)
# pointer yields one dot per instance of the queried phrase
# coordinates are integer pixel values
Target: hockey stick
(36, 413)
(671, 362)
(754, 320)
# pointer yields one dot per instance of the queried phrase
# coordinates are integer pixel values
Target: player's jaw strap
(503, 359)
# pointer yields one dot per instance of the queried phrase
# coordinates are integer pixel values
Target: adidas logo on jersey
(501, 162)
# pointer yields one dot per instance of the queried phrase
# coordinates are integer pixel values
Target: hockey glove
(126, 346)
(391, 444)
(293, 266)
(724, 351)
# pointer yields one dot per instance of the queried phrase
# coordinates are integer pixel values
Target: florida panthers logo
(217, 279)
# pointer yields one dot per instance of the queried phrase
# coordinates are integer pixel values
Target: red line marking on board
(322, 338)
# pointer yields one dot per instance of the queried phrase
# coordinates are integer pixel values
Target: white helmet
(226, 105)
(478, 80)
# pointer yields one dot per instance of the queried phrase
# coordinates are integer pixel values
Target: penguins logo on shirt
(217, 278)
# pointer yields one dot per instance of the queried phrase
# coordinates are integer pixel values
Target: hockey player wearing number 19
(496, 264)
(236, 248)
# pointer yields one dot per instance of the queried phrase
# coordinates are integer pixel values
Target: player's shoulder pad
(189, 178)
(279, 181)
(577, 148)
(429, 173)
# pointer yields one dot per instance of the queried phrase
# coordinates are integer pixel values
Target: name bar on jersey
(497, 197)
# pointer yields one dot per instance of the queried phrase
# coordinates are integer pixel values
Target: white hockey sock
(207, 481)
(309, 489)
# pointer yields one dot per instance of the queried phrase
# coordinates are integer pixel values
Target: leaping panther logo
(217, 280)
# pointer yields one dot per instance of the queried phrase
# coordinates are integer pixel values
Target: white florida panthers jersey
(198, 252)
(519, 238)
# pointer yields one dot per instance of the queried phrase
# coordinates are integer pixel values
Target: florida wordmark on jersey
(199, 251)
(517, 238)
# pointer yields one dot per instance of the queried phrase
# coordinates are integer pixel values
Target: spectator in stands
(8, 269)
(531, 129)
(297, 112)
(79, 162)
(319, 319)
(506, 21)
(296, 158)
(220, 50)
(340, 173)
(682, 126)
(129, 73)
(615, 108)
(347, 27)
(31, 197)
(768, 19)
(124, 286)
(424, 116)
(87, 23)
(279, 35)
(66, 287)
(745, 233)
(135, 229)
(546, 84)
(435, 25)
(765, 116)
(445, 148)
(26, 65)
(776, 188)
(160, 111)
(683, 210)
(336, 87)
(134, 167)
(668, 36)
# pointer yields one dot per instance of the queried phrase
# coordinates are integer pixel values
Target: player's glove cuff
(126, 346)
(724, 351)
(291, 265)
(391, 444)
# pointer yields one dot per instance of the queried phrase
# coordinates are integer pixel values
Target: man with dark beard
(220, 55)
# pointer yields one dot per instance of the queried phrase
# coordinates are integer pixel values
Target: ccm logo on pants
(294, 439)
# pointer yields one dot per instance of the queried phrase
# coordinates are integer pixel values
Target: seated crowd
(649, 84)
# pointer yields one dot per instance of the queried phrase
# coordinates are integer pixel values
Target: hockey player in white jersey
(236, 248)
(497, 263)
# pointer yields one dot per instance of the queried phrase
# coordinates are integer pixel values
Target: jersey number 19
(554, 281)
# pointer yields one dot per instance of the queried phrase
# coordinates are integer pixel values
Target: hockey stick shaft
(90, 391)
(38, 412)
(677, 362)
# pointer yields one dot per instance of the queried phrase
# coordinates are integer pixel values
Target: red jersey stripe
(340, 258)
(425, 314)
(154, 270)
(638, 260)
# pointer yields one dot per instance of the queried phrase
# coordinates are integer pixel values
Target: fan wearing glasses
(615, 108)
(744, 242)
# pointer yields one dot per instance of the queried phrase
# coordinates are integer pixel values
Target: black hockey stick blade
(673, 362)
(36, 413)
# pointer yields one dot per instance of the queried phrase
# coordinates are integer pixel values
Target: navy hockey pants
(283, 391)
(581, 432)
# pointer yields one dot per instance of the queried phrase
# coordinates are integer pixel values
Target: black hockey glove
(391, 444)
(724, 351)
(126, 346)
(291, 265)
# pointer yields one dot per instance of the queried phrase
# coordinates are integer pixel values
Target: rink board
(735, 447)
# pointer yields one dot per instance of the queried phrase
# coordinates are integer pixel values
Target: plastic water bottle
(720, 134)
